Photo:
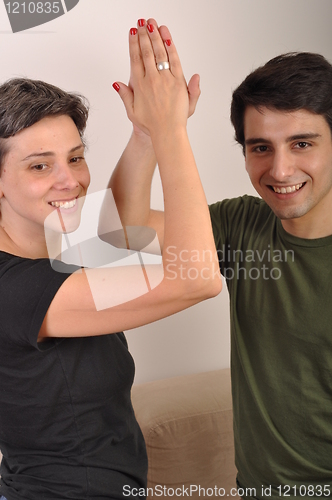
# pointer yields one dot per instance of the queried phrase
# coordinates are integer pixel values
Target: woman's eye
(76, 159)
(40, 167)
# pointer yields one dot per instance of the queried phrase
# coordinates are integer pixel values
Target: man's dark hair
(24, 102)
(289, 82)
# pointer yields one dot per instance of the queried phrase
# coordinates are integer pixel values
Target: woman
(67, 427)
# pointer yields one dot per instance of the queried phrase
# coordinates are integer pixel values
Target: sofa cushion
(187, 423)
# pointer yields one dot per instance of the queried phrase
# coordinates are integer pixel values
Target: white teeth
(63, 204)
(288, 189)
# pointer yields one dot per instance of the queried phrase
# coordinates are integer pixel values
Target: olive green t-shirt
(280, 289)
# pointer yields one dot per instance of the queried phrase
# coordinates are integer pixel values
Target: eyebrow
(296, 137)
(51, 153)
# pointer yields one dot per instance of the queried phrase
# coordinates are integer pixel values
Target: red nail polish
(151, 28)
(116, 86)
(141, 22)
(133, 31)
(168, 43)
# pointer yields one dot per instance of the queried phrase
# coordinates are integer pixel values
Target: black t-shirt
(67, 426)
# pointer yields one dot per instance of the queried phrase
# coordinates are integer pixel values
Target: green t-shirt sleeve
(231, 220)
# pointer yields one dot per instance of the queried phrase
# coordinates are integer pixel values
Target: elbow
(116, 238)
(136, 238)
(197, 283)
(215, 287)
(207, 288)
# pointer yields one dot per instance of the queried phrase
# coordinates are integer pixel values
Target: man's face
(44, 171)
(289, 161)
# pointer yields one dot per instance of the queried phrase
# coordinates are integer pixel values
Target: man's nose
(282, 165)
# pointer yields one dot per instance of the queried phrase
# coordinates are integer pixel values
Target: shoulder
(238, 209)
(14, 268)
(27, 288)
(238, 216)
(242, 204)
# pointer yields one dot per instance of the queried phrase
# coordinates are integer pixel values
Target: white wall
(86, 50)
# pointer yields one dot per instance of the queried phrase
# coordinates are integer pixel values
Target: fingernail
(141, 22)
(133, 31)
(150, 28)
(168, 43)
(116, 86)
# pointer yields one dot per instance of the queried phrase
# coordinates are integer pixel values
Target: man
(275, 253)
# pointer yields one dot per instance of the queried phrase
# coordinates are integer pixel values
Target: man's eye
(261, 149)
(302, 145)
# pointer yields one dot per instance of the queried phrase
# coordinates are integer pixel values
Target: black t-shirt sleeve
(27, 288)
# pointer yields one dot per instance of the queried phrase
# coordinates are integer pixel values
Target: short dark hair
(24, 102)
(289, 82)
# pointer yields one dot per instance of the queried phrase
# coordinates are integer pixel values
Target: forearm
(189, 247)
(131, 181)
(130, 184)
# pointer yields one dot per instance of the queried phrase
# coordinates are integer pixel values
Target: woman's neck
(29, 245)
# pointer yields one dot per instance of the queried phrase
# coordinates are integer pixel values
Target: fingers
(148, 46)
(136, 63)
(157, 44)
(153, 48)
(175, 65)
(141, 53)
(145, 46)
(194, 93)
(126, 95)
(152, 21)
(156, 99)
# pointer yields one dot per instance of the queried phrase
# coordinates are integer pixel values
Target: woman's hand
(155, 100)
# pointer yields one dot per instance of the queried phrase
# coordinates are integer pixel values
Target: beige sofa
(187, 424)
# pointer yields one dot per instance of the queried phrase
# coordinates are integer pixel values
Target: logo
(121, 264)
(26, 14)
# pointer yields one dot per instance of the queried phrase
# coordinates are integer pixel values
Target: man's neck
(309, 227)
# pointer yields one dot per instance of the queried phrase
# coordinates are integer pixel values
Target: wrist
(140, 149)
(141, 138)
(169, 136)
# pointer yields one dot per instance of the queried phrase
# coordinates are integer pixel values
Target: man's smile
(287, 189)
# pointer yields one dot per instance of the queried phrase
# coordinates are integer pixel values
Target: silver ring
(162, 65)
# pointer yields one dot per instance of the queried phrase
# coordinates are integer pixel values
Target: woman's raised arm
(157, 102)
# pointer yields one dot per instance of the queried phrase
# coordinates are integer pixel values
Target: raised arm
(158, 104)
(131, 186)
(131, 179)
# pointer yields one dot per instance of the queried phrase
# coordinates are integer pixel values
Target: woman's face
(44, 171)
